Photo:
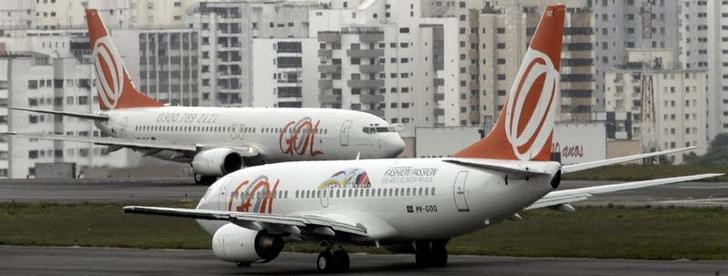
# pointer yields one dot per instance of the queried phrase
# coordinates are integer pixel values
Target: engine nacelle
(233, 243)
(216, 162)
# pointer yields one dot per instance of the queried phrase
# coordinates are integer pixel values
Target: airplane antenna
(357, 155)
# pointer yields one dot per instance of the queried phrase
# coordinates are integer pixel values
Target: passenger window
(432, 192)
(350, 192)
(379, 192)
(337, 193)
(296, 194)
(396, 192)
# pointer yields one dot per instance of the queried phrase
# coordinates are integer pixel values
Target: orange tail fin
(114, 87)
(524, 128)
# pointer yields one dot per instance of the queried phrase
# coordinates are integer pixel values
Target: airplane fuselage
(397, 199)
(280, 134)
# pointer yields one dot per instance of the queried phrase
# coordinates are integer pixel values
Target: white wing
(149, 145)
(568, 196)
(291, 223)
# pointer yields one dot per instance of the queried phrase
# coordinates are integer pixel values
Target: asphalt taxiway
(692, 194)
(95, 261)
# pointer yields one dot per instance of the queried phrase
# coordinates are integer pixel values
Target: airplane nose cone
(395, 146)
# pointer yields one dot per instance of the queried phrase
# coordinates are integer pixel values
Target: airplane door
(223, 198)
(344, 133)
(458, 190)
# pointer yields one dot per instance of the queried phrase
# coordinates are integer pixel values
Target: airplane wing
(294, 224)
(98, 117)
(109, 141)
(154, 145)
(595, 164)
(573, 195)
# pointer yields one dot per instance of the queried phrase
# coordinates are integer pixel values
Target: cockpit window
(379, 129)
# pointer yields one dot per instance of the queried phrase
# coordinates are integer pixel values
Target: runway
(94, 261)
(99, 190)
(692, 194)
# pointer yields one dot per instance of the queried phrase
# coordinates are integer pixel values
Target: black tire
(342, 260)
(325, 262)
(438, 257)
(422, 253)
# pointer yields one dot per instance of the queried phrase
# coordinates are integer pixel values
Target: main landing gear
(333, 260)
(206, 180)
(431, 253)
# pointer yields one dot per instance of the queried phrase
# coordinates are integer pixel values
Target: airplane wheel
(438, 256)
(325, 261)
(422, 253)
(342, 260)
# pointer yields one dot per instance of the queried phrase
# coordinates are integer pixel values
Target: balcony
(370, 99)
(323, 53)
(371, 68)
(439, 112)
(329, 36)
(329, 99)
(439, 97)
(326, 68)
(371, 37)
(364, 83)
(371, 53)
(325, 84)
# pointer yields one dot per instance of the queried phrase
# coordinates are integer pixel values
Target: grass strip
(592, 232)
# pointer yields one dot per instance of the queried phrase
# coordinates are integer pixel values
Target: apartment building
(64, 84)
(384, 58)
(667, 106)
(227, 30)
(164, 63)
(286, 72)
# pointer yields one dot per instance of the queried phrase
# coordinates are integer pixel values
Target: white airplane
(215, 140)
(419, 203)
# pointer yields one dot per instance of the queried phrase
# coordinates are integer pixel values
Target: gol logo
(109, 71)
(297, 138)
(528, 139)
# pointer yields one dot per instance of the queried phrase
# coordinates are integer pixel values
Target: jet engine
(216, 162)
(233, 243)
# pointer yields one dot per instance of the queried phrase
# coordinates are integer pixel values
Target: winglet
(114, 87)
(524, 128)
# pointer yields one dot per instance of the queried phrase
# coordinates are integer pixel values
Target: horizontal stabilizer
(573, 195)
(498, 166)
(88, 116)
(612, 161)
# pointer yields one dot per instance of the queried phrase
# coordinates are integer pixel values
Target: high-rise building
(717, 18)
(227, 30)
(630, 24)
(285, 72)
(384, 58)
(666, 107)
(63, 84)
(502, 31)
(164, 63)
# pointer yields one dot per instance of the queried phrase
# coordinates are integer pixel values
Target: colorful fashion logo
(349, 178)
(297, 138)
(256, 196)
